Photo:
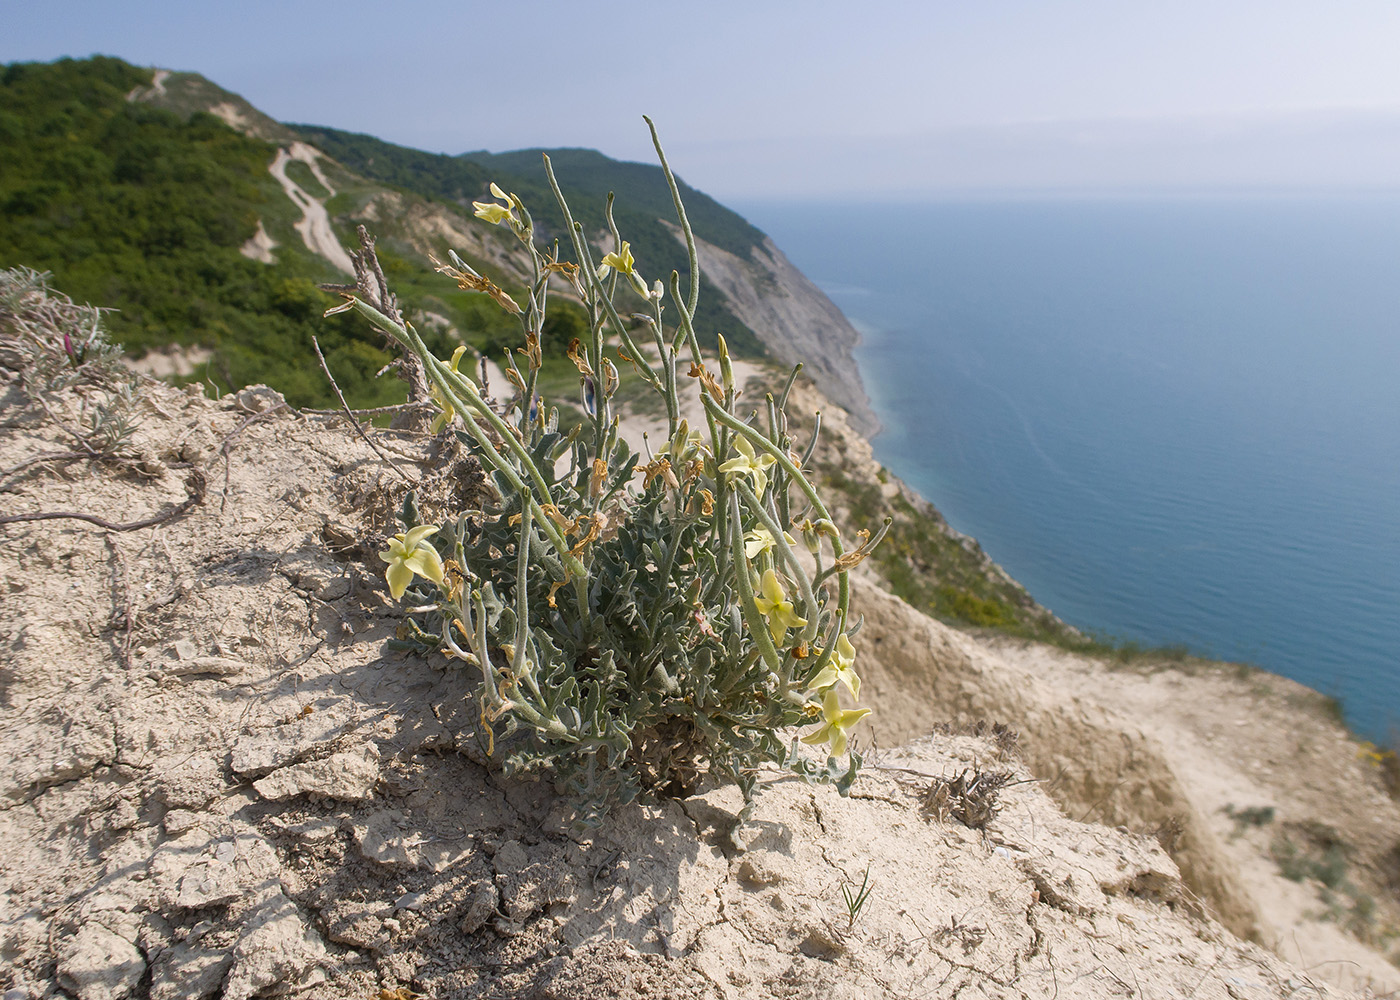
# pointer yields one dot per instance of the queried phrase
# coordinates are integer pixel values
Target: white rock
(349, 777)
(277, 949)
(269, 749)
(96, 964)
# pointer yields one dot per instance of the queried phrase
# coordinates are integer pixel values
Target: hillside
(586, 178)
(207, 225)
(227, 779)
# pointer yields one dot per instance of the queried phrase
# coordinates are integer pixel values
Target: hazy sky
(760, 99)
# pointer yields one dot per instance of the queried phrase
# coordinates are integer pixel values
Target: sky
(814, 99)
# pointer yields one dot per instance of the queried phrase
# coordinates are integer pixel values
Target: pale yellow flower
(773, 604)
(445, 417)
(494, 213)
(749, 463)
(620, 259)
(761, 540)
(836, 721)
(841, 668)
(408, 554)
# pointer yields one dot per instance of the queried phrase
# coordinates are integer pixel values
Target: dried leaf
(577, 358)
(707, 380)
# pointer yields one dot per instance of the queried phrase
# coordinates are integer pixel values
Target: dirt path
(315, 225)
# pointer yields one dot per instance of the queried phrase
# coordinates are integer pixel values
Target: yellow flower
(750, 464)
(409, 554)
(836, 721)
(773, 604)
(620, 259)
(840, 668)
(761, 540)
(494, 213)
(445, 417)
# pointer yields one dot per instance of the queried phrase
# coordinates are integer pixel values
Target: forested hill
(586, 178)
(208, 225)
(146, 211)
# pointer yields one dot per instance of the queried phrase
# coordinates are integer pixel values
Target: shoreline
(1116, 643)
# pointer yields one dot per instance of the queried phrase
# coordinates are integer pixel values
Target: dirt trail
(315, 223)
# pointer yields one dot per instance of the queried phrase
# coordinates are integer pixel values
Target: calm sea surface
(1175, 421)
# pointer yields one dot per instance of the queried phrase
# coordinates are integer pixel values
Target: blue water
(1174, 421)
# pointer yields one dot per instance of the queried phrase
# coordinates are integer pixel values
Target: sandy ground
(259, 246)
(225, 783)
(1245, 740)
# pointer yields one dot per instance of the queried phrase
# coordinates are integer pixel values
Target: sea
(1174, 419)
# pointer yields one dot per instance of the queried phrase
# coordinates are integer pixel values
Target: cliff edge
(226, 784)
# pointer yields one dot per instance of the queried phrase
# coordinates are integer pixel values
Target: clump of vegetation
(144, 210)
(636, 620)
(971, 797)
(1314, 851)
(56, 344)
(1250, 816)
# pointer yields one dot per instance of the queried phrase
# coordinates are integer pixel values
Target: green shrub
(637, 620)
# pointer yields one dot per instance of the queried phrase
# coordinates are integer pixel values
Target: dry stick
(372, 411)
(52, 456)
(353, 422)
(195, 486)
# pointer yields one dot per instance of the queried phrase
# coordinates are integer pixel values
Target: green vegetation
(587, 178)
(935, 571)
(135, 208)
(634, 621)
(1315, 852)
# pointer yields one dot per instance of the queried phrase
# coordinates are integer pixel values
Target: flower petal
(425, 562)
(399, 577)
(412, 537)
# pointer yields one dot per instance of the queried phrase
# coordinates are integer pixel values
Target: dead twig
(373, 288)
(354, 422)
(195, 486)
(51, 456)
(372, 411)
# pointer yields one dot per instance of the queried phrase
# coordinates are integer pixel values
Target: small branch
(373, 288)
(349, 413)
(195, 486)
(53, 456)
(372, 411)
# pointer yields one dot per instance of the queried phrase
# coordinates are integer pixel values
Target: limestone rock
(349, 777)
(97, 964)
(264, 751)
(277, 949)
(186, 972)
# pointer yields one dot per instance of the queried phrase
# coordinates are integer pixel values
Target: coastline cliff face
(132, 759)
(795, 321)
